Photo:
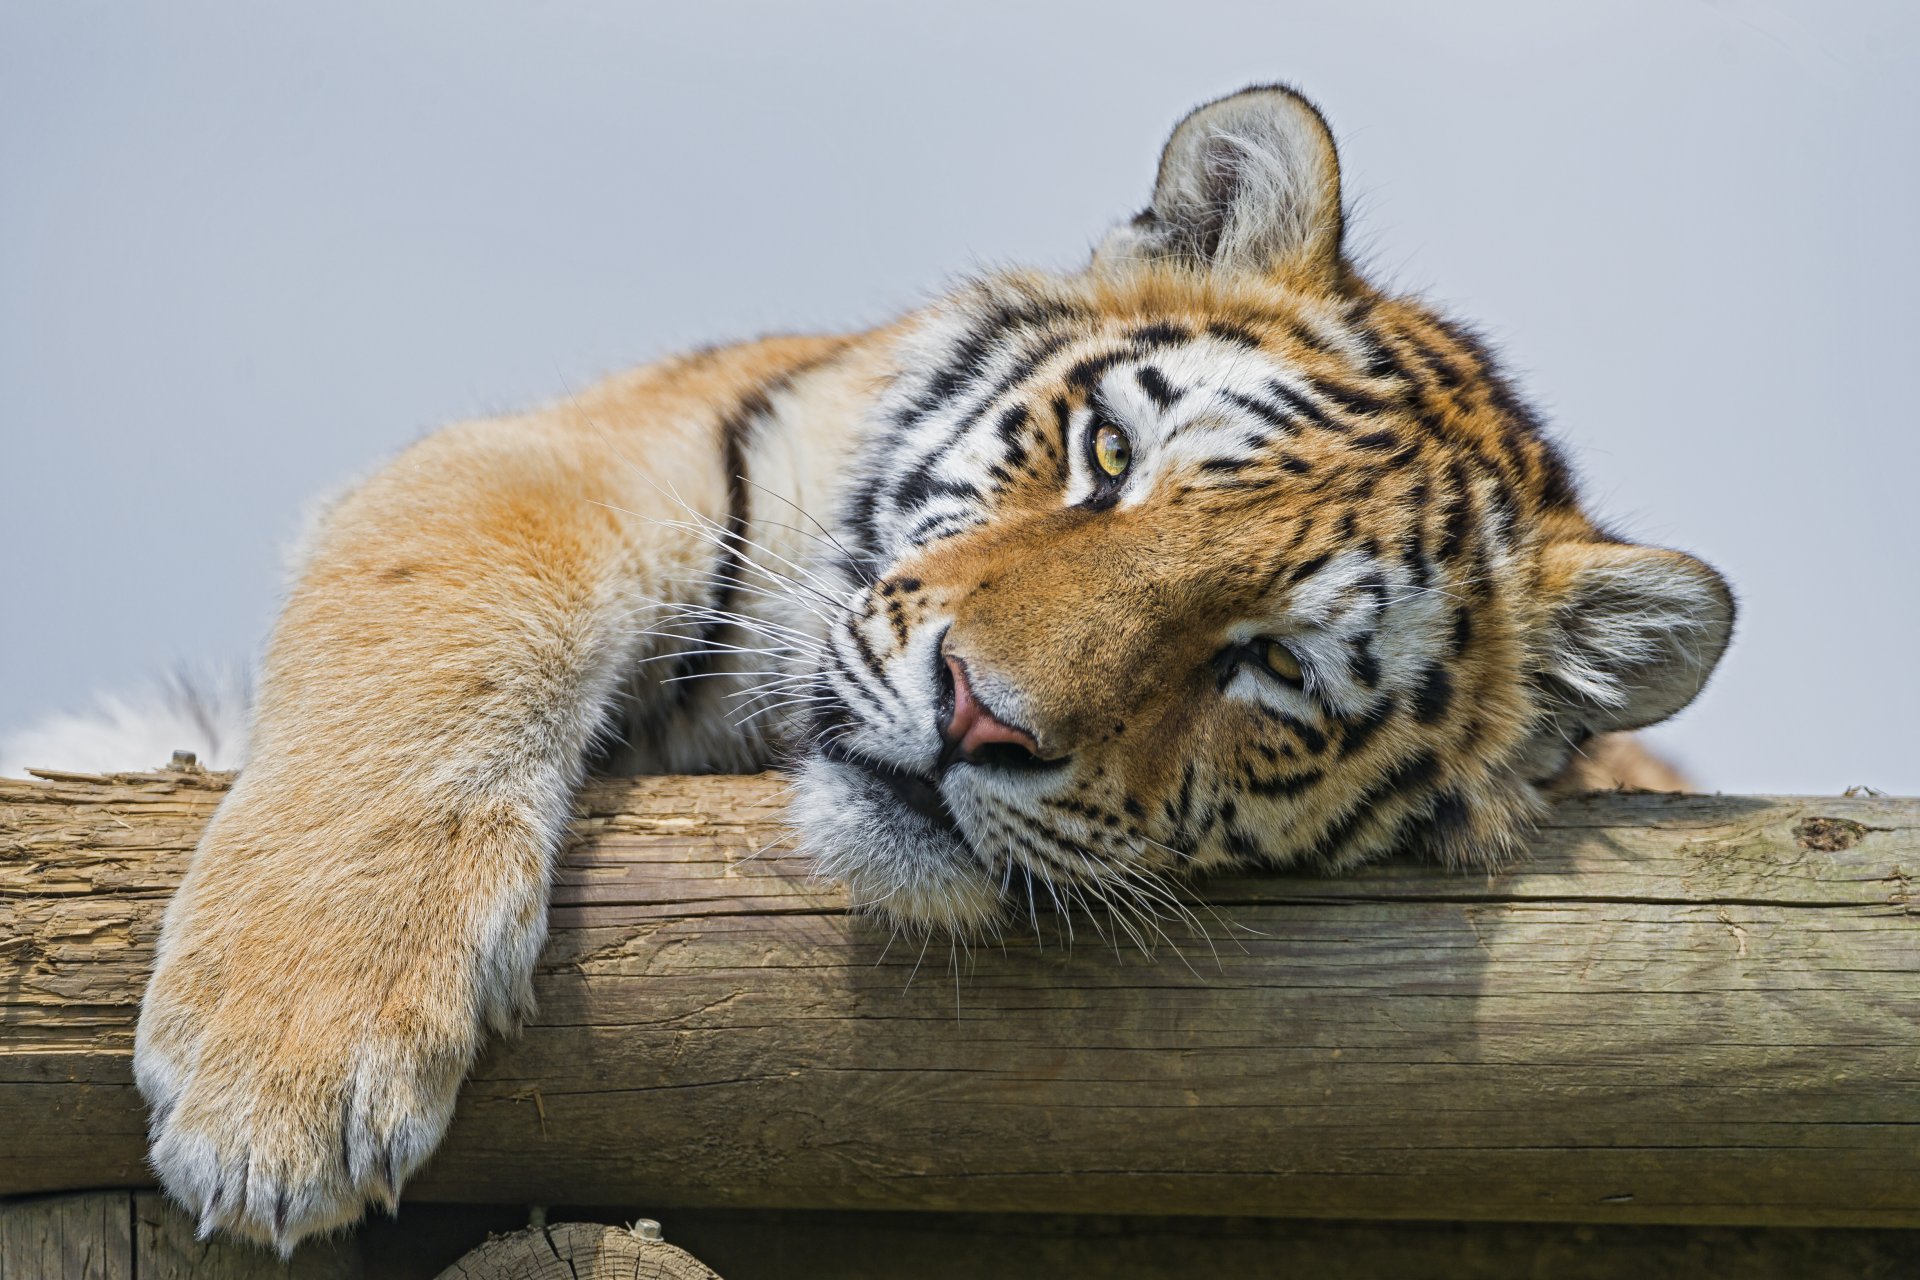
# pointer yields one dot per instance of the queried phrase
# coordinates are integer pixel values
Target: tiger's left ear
(1248, 184)
(1632, 633)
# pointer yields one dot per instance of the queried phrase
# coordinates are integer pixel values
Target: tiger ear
(1248, 183)
(1633, 633)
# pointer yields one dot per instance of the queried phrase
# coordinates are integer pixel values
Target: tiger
(1207, 554)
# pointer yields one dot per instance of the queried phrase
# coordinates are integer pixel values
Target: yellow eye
(1112, 451)
(1281, 662)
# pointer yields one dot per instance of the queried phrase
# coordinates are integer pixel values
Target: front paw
(279, 1118)
(321, 986)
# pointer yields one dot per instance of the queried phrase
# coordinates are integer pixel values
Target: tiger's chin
(894, 846)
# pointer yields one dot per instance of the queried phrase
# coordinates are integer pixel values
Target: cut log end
(579, 1251)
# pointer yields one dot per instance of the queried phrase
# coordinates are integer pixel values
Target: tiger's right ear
(1248, 184)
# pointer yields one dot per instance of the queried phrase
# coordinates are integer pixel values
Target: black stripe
(860, 519)
(1307, 568)
(1242, 845)
(943, 522)
(1286, 785)
(1010, 423)
(737, 432)
(1300, 406)
(1366, 667)
(921, 487)
(1161, 333)
(1086, 374)
(1439, 369)
(1311, 738)
(1357, 733)
(1155, 384)
(1380, 361)
(1462, 631)
(1407, 776)
(1181, 808)
(736, 437)
(1272, 414)
(1419, 568)
(1434, 696)
(868, 657)
(1355, 401)
(1309, 337)
(1458, 520)
(1227, 331)
(853, 672)
(1556, 478)
(1447, 826)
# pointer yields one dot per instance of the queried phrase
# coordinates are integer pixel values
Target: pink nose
(972, 725)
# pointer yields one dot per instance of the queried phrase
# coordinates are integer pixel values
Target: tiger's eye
(1112, 451)
(1281, 662)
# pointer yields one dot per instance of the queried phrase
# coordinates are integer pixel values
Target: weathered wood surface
(139, 1235)
(578, 1251)
(1682, 1009)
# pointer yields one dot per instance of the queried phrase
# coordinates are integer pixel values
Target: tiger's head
(1215, 553)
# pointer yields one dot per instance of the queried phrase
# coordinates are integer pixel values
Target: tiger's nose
(974, 732)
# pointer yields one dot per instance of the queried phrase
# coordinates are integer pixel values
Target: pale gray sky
(247, 251)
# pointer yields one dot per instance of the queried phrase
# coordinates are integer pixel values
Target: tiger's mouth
(916, 791)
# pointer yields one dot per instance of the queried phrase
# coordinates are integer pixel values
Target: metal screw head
(647, 1229)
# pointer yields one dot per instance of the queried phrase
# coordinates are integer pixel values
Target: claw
(346, 1138)
(283, 1239)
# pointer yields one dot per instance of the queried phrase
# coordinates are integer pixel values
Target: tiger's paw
(278, 1123)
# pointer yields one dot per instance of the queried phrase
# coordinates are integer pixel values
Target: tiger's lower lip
(917, 793)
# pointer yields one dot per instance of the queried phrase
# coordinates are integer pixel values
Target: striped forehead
(1202, 406)
(961, 431)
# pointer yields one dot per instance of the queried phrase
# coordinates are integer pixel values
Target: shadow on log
(1681, 1010)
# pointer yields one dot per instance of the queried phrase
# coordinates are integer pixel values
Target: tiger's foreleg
(370, 899)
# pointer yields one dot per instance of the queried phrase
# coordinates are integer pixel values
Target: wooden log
(105, 1234)
(1680, 1010)
(138, 1235)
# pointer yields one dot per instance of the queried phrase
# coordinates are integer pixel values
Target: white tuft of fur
(206, 712)
(894, 863)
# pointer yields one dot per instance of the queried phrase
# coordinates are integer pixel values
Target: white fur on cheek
(894, 862)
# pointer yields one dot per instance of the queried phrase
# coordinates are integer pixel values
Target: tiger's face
(1212, 554)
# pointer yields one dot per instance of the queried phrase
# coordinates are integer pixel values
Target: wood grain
(577, 1251)
(137, 1235)
(760, 1244)
(1680, 1010)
